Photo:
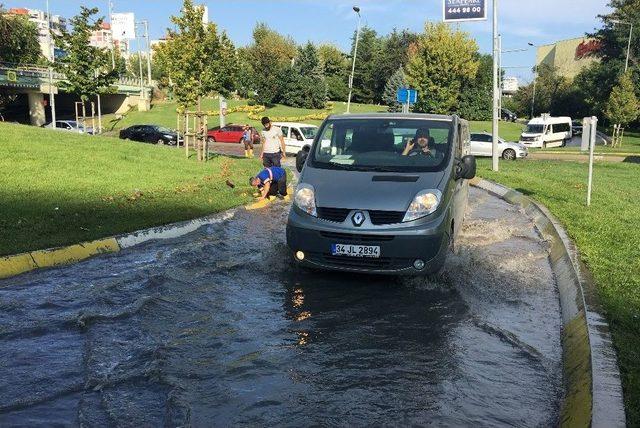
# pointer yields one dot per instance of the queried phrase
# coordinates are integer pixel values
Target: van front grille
(386, 217)
(337, 215)
(354, 238)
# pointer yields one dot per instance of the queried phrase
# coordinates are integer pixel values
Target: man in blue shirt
(271, 181)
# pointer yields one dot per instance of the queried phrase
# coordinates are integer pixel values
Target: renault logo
(357, 218)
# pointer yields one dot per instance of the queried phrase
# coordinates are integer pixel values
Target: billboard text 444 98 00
(464, 10)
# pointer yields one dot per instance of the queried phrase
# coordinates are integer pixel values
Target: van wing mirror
(466, 167)
(301, 158)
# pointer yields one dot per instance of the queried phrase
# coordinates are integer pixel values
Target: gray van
(381, 193)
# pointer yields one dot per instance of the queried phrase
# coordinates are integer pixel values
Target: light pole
(356, 9)
(113, 55)
(617, 21)
(535, 80)
(52, 52)
(496, 111)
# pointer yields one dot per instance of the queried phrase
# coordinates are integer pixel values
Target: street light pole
(496, 112)
(146, 34)
(113, 54)
(535, 80)
(52, 52)
(356, 9)
(630, 24)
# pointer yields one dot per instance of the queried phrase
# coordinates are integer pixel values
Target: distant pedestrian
(271, 181)
(273, 148)
(247, 139)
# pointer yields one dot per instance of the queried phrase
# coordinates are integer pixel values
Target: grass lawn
(508, 130)
(60, 188)
(608, 236)
(164, 113)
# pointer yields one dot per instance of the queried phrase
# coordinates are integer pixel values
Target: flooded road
(218, 328)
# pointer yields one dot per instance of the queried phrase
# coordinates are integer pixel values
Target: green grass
(508, 130)
(61, 188)
(164, 113)
(608, 236)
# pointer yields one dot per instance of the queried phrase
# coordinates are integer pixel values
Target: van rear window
(400, 145)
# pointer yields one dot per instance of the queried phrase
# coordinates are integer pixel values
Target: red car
(230, 134)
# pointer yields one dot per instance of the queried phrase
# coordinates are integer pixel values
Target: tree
(335, 67)
(440, 62)
(393, 54)
(622, 107)
(364, 79)
(395, 82)
(197, 60)
(18, 45)
(18, 40)
(305, 84)
(476, 98)
(270, 55)
(87, 68)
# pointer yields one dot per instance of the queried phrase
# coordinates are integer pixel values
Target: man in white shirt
(273, 149)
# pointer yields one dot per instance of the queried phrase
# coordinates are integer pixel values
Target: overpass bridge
(36, 82)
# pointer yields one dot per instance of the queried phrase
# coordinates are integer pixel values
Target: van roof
(424, 116)
(543, 120)
(293, 124)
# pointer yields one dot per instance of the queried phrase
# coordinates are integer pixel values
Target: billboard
(123, 26)
(464, 10)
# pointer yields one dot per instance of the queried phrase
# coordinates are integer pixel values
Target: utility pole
(500, 73)
(113, 55)
(52, 52)
(533, 97)
(146, 34)
(496, 111)
(630, 24)
(356, 9)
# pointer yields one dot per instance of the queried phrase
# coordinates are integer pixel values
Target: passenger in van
(420, 144)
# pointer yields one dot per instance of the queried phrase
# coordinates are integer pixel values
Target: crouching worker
(271, 181)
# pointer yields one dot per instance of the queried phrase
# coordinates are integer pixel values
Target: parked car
(482, 145)
(150, 134)
(547, 131)
(297, 136)
(70, 125)
(508, 115)
(576, 127)
(231, 134)
(366, 204)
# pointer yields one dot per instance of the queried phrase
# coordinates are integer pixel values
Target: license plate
(355, 250)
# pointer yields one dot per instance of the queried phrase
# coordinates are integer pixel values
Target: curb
(25, 262)
(593, 389)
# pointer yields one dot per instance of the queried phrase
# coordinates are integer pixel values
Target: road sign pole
(592, 143)
(494, 125)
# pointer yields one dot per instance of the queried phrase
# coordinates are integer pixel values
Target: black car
(508, 115)
(153, 134)
(576, 127)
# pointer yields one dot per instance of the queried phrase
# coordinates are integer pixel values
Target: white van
(547, 131)
(297, 135)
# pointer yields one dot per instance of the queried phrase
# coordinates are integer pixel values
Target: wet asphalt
(220, 328)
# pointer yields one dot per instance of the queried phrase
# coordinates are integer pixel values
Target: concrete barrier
(593, 390)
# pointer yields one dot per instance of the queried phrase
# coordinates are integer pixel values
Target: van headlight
(305, 199)
(423, 204)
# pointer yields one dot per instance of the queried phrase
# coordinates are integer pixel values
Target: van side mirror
(466, 167)
(301, 158)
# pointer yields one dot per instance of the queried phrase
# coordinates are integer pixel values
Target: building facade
(568, 57)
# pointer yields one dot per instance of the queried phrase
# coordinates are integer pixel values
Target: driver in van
(419, 145)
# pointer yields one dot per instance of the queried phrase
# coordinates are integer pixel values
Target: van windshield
(534, 129)
(308, 131)
(398, 145)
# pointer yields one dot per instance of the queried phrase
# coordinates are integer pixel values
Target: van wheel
(544, 144)
(509, 154)
(564, 143)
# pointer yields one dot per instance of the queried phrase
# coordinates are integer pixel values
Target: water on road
(219, 328)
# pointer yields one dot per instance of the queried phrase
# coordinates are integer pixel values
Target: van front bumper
(400, 245)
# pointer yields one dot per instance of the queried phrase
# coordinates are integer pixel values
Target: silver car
(70, 125)
(381, 193)
(481, 145)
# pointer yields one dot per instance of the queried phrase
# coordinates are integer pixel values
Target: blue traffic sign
(464, 10)
(405, 95)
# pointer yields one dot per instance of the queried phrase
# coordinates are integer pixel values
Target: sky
(333, 21)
